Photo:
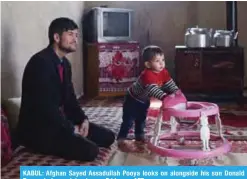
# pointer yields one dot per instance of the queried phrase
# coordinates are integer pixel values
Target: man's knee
(109, 139)
(83, 149)
(91, 154)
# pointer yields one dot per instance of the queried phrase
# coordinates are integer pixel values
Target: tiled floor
(124, 159)
(237, 156)
(119, 158)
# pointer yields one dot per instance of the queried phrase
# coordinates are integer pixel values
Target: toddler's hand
(180, 93)
(174, 99)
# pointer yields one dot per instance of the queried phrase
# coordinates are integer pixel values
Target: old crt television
(103, 24)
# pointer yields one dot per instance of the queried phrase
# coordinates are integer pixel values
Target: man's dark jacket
(43, 94)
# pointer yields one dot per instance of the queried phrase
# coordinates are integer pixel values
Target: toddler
(154, 81)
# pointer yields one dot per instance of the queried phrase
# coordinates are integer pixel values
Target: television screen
(115, 24)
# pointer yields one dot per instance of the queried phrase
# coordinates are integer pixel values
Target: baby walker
(174, 108)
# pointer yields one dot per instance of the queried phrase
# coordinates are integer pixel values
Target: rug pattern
(105, 116)
(110, 117)
(234, 128)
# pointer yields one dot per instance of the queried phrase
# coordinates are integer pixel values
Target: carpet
(106, 116)
(235, 125)
(109, 115)
(233, 116)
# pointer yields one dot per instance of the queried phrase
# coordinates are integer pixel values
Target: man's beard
(65, 49)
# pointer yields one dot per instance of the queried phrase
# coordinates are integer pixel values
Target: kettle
(224, 38)
(198, 37)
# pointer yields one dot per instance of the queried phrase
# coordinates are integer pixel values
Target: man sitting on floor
(51, 120)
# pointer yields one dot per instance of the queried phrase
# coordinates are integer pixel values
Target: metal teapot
(198, 37)
(224, 38)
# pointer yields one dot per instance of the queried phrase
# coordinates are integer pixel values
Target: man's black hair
(59, 26)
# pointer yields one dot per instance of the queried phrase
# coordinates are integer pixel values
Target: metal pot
(224, 38)
(198, 37)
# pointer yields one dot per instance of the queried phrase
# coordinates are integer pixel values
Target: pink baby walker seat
(176, 108)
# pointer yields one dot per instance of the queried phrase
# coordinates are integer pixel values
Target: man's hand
(82, 129)
(77, 129)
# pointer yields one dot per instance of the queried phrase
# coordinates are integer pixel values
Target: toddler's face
(157, 64)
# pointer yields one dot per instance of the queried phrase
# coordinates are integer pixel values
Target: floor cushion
(12, 108)
(6, 147)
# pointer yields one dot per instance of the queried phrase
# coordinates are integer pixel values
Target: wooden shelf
(210, 70)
